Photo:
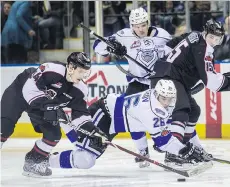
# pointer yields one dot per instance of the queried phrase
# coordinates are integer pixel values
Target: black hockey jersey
(52, 75)
(190, 61)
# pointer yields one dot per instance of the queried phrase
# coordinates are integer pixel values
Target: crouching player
(145, 111)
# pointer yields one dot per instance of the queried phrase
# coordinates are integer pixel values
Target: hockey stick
(189, 173)
(221, 161)
(126, 55)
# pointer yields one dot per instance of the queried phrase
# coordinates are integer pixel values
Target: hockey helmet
(165, 88)
(138, 16)
(79, 59)
(214, 27)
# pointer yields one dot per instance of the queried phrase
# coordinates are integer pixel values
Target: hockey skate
(177, 162)
(143, 163)
(36, 166)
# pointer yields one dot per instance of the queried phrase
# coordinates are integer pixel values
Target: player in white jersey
(145, 111)
(144, 43)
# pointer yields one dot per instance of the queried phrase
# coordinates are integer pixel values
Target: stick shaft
(183, 173)
(104, 40)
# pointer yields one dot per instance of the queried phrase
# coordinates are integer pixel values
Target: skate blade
(33, 175)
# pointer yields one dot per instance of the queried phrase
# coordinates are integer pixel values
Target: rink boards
(214, 121)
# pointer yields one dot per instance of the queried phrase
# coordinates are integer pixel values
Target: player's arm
(115, 45)
(83, 126)
(204, 62)
(45, 76)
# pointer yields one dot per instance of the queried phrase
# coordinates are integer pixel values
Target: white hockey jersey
(145, 50)
(142, 112)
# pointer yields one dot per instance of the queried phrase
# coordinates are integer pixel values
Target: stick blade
(200, 169)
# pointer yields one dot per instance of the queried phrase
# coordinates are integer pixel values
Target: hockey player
(52, 86)
(144, 43)
(118, 113)
(189, 62)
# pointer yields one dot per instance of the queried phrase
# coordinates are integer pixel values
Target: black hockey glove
(50, 113)
(191, 153)
(227, 74)
(96, 136)
(116, 48)
(197, 88)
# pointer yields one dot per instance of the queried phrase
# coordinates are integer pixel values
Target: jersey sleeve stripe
(119, 125)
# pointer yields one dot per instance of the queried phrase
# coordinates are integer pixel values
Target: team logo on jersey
(165, 132)
(42, 68)
(148, 57)
(208, 58)
(193, 37)
(135, 44)
(148, 42)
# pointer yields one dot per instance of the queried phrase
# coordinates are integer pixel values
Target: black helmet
(214, 27)
(79, 59)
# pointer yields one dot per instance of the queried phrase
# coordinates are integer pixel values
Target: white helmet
(138, 16)
(165, 88)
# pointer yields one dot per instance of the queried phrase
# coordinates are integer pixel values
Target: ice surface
(114, 168)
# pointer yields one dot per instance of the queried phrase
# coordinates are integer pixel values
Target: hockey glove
(116, 48)
(191, 153)
(50, 113)
(197, 88)
(96, 136)
(227, 74)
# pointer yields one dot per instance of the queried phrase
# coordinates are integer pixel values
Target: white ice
(114, 168)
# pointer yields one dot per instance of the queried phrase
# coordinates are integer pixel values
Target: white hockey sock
(141, 143)
(73, 159)
(195, 140)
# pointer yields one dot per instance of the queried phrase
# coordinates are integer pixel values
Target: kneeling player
(145, 111)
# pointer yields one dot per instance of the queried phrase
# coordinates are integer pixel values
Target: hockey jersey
(190, 61)
(52, 75)
(142, 112)
(145, 50)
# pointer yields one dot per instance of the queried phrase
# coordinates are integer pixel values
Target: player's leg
(37, 160)
(86, 153)
(190, 132)
(194, 115)
(139, 138)
(180, 118)
(12, 106)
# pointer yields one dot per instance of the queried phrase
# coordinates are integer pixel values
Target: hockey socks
(79, 158)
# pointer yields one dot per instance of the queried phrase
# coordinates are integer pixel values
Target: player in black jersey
(42, 93)
(189, 62)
